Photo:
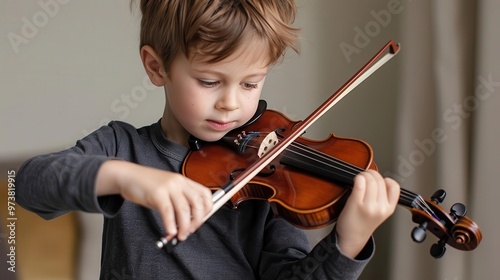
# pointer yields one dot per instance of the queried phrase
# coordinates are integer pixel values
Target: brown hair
(216, 28)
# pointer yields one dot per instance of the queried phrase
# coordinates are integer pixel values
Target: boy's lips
(220, 126)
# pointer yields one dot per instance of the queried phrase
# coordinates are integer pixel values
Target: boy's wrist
(109, 177)
(351, 247)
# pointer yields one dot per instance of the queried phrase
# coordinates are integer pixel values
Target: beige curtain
(448, 125)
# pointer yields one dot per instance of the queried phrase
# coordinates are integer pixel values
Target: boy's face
(209, 100)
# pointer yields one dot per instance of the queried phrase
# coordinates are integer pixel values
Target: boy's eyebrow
(258, 74)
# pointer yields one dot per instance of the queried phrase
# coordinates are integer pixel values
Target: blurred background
(430, 114)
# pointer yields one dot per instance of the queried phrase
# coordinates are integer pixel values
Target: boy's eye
(208, 83)
(250, 86)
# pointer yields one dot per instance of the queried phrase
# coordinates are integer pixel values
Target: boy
(212, 58)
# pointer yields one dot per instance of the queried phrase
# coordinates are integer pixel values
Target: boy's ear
(153, 66)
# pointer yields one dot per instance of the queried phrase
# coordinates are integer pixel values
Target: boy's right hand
(181, 202)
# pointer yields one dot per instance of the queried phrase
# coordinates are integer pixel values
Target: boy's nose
(228, 100)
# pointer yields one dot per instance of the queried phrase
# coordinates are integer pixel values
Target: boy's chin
(211, 137)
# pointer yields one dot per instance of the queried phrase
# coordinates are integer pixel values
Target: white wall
(66, 72)
(68, 67)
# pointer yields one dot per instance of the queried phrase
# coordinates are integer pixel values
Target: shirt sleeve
(53, 184)
(297, 261)
(326, 261)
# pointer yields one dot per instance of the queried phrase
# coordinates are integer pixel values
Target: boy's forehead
(249, 52)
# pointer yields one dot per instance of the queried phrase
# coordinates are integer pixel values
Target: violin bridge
(267, 143)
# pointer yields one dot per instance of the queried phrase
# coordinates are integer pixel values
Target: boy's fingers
(393, 191)
(198, 214)
(168, 217)
(183, 217)
(201, 204)
(359, 187)
(372, 192)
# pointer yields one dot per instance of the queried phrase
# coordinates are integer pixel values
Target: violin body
(305, 201)
(309, 183)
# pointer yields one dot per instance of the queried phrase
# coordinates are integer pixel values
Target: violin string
(347, 171)
(328, 160)
(425, 207)
(409, 197)
(416, 201)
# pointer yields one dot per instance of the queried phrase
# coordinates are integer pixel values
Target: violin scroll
(454, 228)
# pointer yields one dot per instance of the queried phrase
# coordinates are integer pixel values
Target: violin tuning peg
(438, 196)
(418, 233)
(458, 210)
(438, 249)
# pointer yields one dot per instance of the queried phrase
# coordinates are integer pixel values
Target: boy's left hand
(373, 199)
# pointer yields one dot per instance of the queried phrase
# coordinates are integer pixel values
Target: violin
(307, 182)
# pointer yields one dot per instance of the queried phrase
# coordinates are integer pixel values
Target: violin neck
(335, 170)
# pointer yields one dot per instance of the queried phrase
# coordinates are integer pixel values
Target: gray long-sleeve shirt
(243, 243)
